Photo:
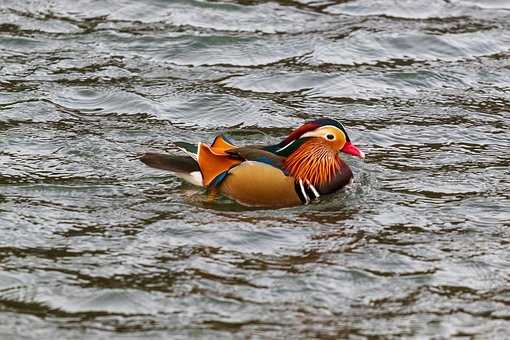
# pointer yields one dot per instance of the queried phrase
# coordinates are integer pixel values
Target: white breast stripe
(307, 199)
(315, 192)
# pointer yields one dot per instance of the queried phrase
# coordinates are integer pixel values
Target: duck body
(300, 169)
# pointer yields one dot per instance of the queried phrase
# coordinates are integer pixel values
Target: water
(95, 245)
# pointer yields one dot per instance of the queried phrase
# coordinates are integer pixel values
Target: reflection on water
(96, 245)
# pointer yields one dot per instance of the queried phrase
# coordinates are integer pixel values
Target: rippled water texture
(94, 245)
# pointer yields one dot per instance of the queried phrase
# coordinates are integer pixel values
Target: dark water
(94, 245)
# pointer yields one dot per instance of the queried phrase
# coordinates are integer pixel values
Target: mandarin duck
(298, 170)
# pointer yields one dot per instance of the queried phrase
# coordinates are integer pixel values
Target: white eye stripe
(334, 127)
(313, 133)
(308, 134)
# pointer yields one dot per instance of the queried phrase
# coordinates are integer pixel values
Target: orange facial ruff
(314, 161)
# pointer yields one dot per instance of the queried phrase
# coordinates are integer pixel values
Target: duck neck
(314, 162)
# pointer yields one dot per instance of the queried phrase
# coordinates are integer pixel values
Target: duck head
(312, 151)
(329, 132)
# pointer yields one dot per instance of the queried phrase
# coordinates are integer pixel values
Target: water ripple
(95, 245)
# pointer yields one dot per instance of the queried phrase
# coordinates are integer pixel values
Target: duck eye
(330, 136)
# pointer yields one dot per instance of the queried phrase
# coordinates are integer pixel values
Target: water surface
(94, 245)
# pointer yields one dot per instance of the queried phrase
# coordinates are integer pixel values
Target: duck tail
(184, 167)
